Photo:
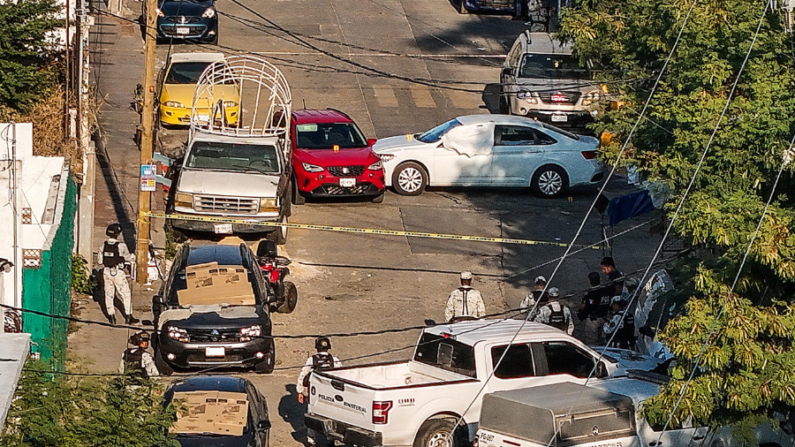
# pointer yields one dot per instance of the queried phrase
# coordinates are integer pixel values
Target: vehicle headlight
(230, 103)
(178, 334)
(173, 104)
(209, 13)
(160, 13)
(268, 205)
(386, 157)
(377, 166)
(183, 199)
(311, 168)
(531, 97)
(251, 332)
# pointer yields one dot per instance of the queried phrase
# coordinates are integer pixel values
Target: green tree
(77, 411)
(748, 371)
(28, 53)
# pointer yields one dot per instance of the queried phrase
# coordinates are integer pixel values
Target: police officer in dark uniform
(136, 361)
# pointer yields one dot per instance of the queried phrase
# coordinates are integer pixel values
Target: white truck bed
(395, 375)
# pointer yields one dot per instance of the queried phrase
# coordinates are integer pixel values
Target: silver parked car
(490, 150)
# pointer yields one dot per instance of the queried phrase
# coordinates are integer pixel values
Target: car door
(518, 151)
(685, 436)
(508, 86)
(560, 361)
(255, 415)
(463, 156)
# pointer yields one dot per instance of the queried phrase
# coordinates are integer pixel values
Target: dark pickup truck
(214, 310)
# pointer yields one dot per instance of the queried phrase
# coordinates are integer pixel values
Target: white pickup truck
(605, 413)
(417, 402)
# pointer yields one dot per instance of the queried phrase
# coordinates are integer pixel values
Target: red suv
(331, 158)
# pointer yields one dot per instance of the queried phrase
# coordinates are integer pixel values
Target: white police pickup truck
(417, 402)
(605, 413)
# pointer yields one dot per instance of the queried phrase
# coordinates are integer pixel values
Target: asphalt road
(395, 66)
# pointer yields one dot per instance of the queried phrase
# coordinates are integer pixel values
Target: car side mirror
(157, 305)
(601, 370)
(371, 141)
(263, 425)
(429, 322)
(507, 71)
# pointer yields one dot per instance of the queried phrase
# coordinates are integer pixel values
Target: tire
(436, 432)
(162, 365)
(279, 235)
(297, 198)
(266, 366)
(414, 178)
(550, 181)
(290, 298)
(379, 198)
(462, 9)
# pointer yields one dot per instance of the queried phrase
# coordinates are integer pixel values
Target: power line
(584, 220)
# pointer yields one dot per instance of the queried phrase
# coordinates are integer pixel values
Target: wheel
(279, 235)
(410, 179)
(379, 198)
(436, 433)
(162, 365)
(290, 298)
(550, 181)
(462, 9)
(297, 198)
(266, 366)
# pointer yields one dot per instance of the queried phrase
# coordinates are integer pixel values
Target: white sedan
(490, 150)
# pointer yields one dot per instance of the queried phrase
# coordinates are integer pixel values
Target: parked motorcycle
(274, 269)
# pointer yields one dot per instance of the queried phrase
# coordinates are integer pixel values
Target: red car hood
(327, 157)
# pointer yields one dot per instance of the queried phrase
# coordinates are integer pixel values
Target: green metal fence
(47, 288)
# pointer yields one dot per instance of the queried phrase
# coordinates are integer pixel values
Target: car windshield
(561, 131)
(551, 66)
(233, 157)
(185, 72)
(446, 353)
(328, 135)
(437, 132)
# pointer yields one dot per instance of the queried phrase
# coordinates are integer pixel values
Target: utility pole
(147, 141)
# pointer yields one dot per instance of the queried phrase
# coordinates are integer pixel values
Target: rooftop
(14, 349)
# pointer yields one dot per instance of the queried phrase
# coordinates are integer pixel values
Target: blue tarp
(631, 205)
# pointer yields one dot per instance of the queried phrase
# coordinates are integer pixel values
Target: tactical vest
(320, 362)
(557, 318)
(133, 362)
(626, 334)
(110, 255)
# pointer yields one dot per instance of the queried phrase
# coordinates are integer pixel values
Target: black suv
(231, 390)
(218, 331)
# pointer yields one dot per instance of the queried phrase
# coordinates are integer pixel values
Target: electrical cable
(584, 220)
(714, 325)
(678, 208)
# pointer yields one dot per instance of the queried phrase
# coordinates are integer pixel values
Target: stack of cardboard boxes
(213, 284)
(216, 412)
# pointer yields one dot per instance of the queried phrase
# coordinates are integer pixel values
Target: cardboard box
(212, 412)
(213, 284)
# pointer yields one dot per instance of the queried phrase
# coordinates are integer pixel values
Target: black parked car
(231, 391)
(187, 20)
(204, 325)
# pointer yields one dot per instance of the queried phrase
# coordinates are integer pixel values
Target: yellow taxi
(178, 85)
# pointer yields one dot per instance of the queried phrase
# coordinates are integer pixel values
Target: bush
(82, 281)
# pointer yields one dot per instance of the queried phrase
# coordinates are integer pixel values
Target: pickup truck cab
(417, 402)
(241, 178)
(604, 413)
(213, 310)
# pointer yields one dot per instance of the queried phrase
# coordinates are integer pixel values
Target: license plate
(203, 118)
(182, 31)
(559, 118)
(215, 352)
(347, 182)
(222, 229)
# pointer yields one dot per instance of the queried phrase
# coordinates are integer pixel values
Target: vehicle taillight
(381, 412)
(588, 155)
(475, 441)
(274, 275)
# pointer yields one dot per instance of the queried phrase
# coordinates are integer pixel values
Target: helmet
(466, 276)
(113, 230)
(139, 338)
(322, 344)
(553, 292)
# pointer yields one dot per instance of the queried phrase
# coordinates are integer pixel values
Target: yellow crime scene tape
(299, 226)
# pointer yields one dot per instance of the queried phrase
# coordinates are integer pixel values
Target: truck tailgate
(341, 401)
